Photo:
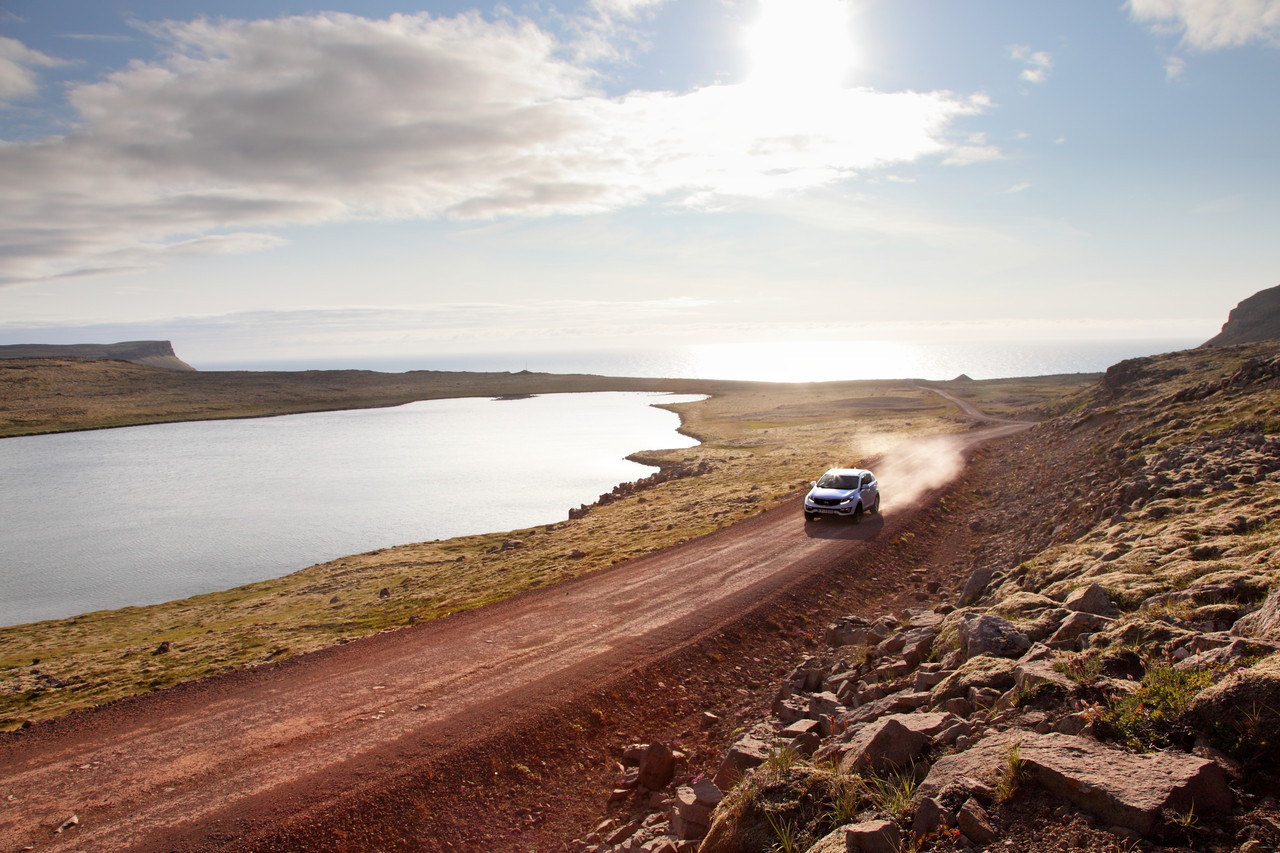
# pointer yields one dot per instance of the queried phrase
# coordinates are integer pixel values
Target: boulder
(1074, 626)
(976, 585)
(981, 672)
(973, 821)
(991, 635)
(1242, 712)
(895, 703)
(1092, 599)
(691, 814)
(657, 766)
(1263, 622)
(847, 631)
(1095, 777)
(746, 752)
(872, 836)
(883, 745)
(1029, 675)
(928, 817)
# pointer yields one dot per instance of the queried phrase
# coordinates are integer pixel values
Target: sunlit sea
(790, 361)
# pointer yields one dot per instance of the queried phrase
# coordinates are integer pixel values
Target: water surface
(139, 515)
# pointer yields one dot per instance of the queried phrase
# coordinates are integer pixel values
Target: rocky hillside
(1255, 319)
(1092, 662)
(151, 353)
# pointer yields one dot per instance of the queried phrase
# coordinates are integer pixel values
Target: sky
(272, 180)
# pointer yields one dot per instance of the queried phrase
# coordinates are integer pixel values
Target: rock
(1242, 712)
(1095, 777)
(798, 728)
(162, 649)
(1075, 625)
(979, 672)
(1101, 779)
(847, 631)
(832, 842)
(928, 817)
(1031, 674)
(1225, 655)
(1092, 599)
(872, 836)
(975, 586)
(808, 676)
(973, 821)
(895, 703)
(992, 636)
(926, 681)
(746, 752)
(883, 745)
(657, 766)
(1263, 622)
(821, 704)
(691, 814)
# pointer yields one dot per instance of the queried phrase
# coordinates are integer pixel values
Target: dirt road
(209, 765)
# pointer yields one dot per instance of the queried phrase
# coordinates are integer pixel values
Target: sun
(800, 43)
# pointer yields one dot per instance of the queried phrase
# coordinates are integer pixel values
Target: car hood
(833, 494)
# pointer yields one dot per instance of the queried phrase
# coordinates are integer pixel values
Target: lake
(139, 515)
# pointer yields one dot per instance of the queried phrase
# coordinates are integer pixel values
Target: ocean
(779, 361)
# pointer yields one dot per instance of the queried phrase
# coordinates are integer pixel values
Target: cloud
(17, 79)
(246, 126)
(1037, 62)
(1212, 24)
(1174, 67)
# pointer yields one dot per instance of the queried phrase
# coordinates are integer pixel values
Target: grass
(1011, 772)
(98, 657)
(1149, 718)
(893, 793)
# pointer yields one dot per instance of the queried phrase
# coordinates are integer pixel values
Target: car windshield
(838, 481)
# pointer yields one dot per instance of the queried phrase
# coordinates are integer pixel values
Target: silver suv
(846, 492)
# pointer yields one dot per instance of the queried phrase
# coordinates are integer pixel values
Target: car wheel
(857, 513)
(875, 507)
(808, 516)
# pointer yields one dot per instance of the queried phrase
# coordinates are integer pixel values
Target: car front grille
(826, 502)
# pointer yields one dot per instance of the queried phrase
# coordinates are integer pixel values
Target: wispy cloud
(1212, 24)
(1036, 63)
(246, 126)
(18, 78)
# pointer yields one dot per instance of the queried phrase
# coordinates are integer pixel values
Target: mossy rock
(981, 672)
(1241, 713)
(796, 799)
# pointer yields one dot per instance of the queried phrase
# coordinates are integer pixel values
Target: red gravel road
(280, 755)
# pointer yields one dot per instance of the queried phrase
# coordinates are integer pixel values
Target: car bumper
(828, 510)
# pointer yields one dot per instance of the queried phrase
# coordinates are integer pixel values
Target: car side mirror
(813, 483)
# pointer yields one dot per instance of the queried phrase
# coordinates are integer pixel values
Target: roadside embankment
(1092, 662)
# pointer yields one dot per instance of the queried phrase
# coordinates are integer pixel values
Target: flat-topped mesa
(1254, 319)
(150, 353)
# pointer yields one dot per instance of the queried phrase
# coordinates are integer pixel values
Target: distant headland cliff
(151, 353)
(1254, 319)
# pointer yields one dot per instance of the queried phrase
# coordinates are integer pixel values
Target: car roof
(848, 472)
